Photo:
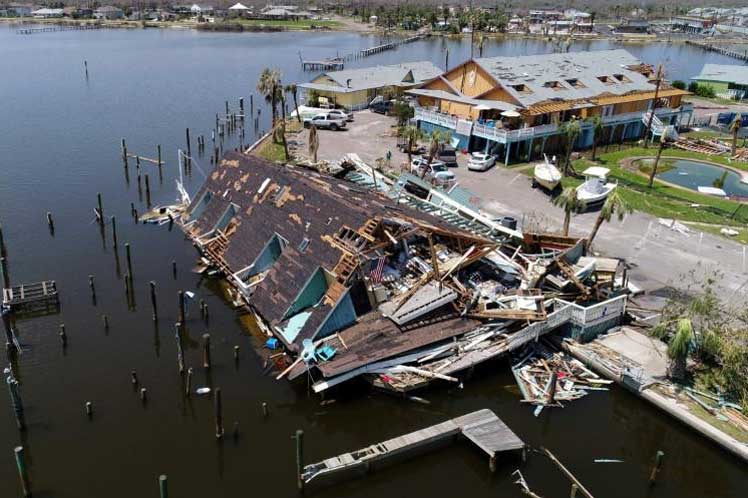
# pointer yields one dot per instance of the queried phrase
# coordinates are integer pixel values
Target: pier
(338, 62)
(720, 50)
(388, 46)
(324, 65)
(39, 297)
(482, 427)
(52, 29)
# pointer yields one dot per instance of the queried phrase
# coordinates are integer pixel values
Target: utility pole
(654, 105)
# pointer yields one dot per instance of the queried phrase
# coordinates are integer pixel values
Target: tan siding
(499, 93)
(470, 79)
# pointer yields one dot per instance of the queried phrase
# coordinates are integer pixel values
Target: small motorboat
(546, 175)
(596, 187)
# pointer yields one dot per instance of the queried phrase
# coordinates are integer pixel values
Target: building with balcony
(727, 80)
(515, 107)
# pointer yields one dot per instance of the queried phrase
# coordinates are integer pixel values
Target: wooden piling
(180, 353)
(158, 150)
(163, 488)
(205, 313)
(265, 411)
(189, 151)
(89, 409)
(16, 402)
(128, 255)
(180, 314)
(134, 378)
(147, 190)
(92, 285)
(299, 459)
(241, 107)
(574, 489)
(202, 308)
(63, 335)
(152, 285)
(3, 250)
(50, 222)
(218, 413)
(227, 108)
(251, 105)
(188, 383)
(656, 467)
(124, 153)
(144, 395)
(4, 270)
(174, 269)
(235, 432)
(236, 354)
(206, 351)
(114, 231)
(22, 472)
(101, 208)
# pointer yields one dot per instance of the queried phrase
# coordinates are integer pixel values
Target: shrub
(680, 85)
(705, 91)
(693, 86)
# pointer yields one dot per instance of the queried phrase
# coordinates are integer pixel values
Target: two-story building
(515, 107)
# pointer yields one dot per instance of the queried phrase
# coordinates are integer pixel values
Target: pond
(695, 174)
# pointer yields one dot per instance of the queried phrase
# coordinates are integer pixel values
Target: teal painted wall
(267, 257)
(310, 295)
(342, 316)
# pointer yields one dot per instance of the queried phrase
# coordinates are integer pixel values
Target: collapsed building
(396, 281)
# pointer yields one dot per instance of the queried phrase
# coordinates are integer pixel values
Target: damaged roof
(303, 207)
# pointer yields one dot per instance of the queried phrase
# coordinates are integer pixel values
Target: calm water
(694, 174)
(59, 145)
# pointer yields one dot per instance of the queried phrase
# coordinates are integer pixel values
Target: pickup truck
(325, 121)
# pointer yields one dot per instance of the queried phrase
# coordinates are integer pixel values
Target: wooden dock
(323, 65)
(483, 428)
(51, 29)
(743, 56)
(36, 298)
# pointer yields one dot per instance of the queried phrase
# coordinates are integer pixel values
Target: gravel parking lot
(658, 256)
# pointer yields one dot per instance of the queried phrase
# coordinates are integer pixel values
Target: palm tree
(411, 135)
(571, 129)
(280, 136)
(678, 348)
(269, 85)
(481, 42)
(438, 138)
(614, 205)
(734, 129)
(293, 90)
(313, 142)
(570, 203)
(597, 131)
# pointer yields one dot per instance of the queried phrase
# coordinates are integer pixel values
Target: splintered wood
(546, 378)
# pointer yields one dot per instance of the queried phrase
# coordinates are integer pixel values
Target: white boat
(547, 175)
(596, 187)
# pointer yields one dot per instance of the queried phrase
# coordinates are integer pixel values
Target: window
(304, 244)
(575, 83)
(622, 78)
(555, 85)
(522, 88)
(607, 80)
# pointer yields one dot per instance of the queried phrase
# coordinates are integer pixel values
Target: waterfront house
(17, 10)
(727, 80)
(109, 12)
(633, 26)
(201, 10)
(47, 13)
(516, 107)
(355, 88)
(695, 25)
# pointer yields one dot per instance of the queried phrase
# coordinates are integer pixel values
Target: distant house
(633, 26)
(47, 13)
(201, 10)
(109, 12)
(17, 10)
(283, 13)
(727, 80)
(355, 88)
(695, 25)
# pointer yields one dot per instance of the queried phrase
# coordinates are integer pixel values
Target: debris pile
(548, 378)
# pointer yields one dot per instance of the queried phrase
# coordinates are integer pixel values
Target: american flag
(377, 269)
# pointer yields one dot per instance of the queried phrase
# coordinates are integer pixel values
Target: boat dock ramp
(483, 428)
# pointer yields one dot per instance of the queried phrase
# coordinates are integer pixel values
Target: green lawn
(290, 24)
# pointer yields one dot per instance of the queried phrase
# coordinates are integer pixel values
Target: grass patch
(291, 24)
(271, 151)
(741, 237)
(645, 165)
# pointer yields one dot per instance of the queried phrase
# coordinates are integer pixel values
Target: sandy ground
(657, 255)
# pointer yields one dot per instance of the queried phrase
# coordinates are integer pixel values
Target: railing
(436, 117)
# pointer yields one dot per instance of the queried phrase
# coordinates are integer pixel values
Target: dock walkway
(482, 427)
(39, 297)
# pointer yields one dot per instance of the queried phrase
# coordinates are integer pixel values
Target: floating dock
(483, 428)
(39, 297)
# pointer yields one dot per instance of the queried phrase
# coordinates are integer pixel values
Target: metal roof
(539, 74)
(442, 94)
(728, 73)
(377, 76)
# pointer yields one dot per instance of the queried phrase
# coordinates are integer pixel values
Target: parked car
(417, 149)
(437, 169)
(382, 106)
(448, 155)
(325, 121)
(480, 161)
(339, 113)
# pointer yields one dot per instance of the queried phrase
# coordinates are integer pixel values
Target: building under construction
(357, 274)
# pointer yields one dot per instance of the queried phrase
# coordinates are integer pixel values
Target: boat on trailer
(596, 186)
(547, 175)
